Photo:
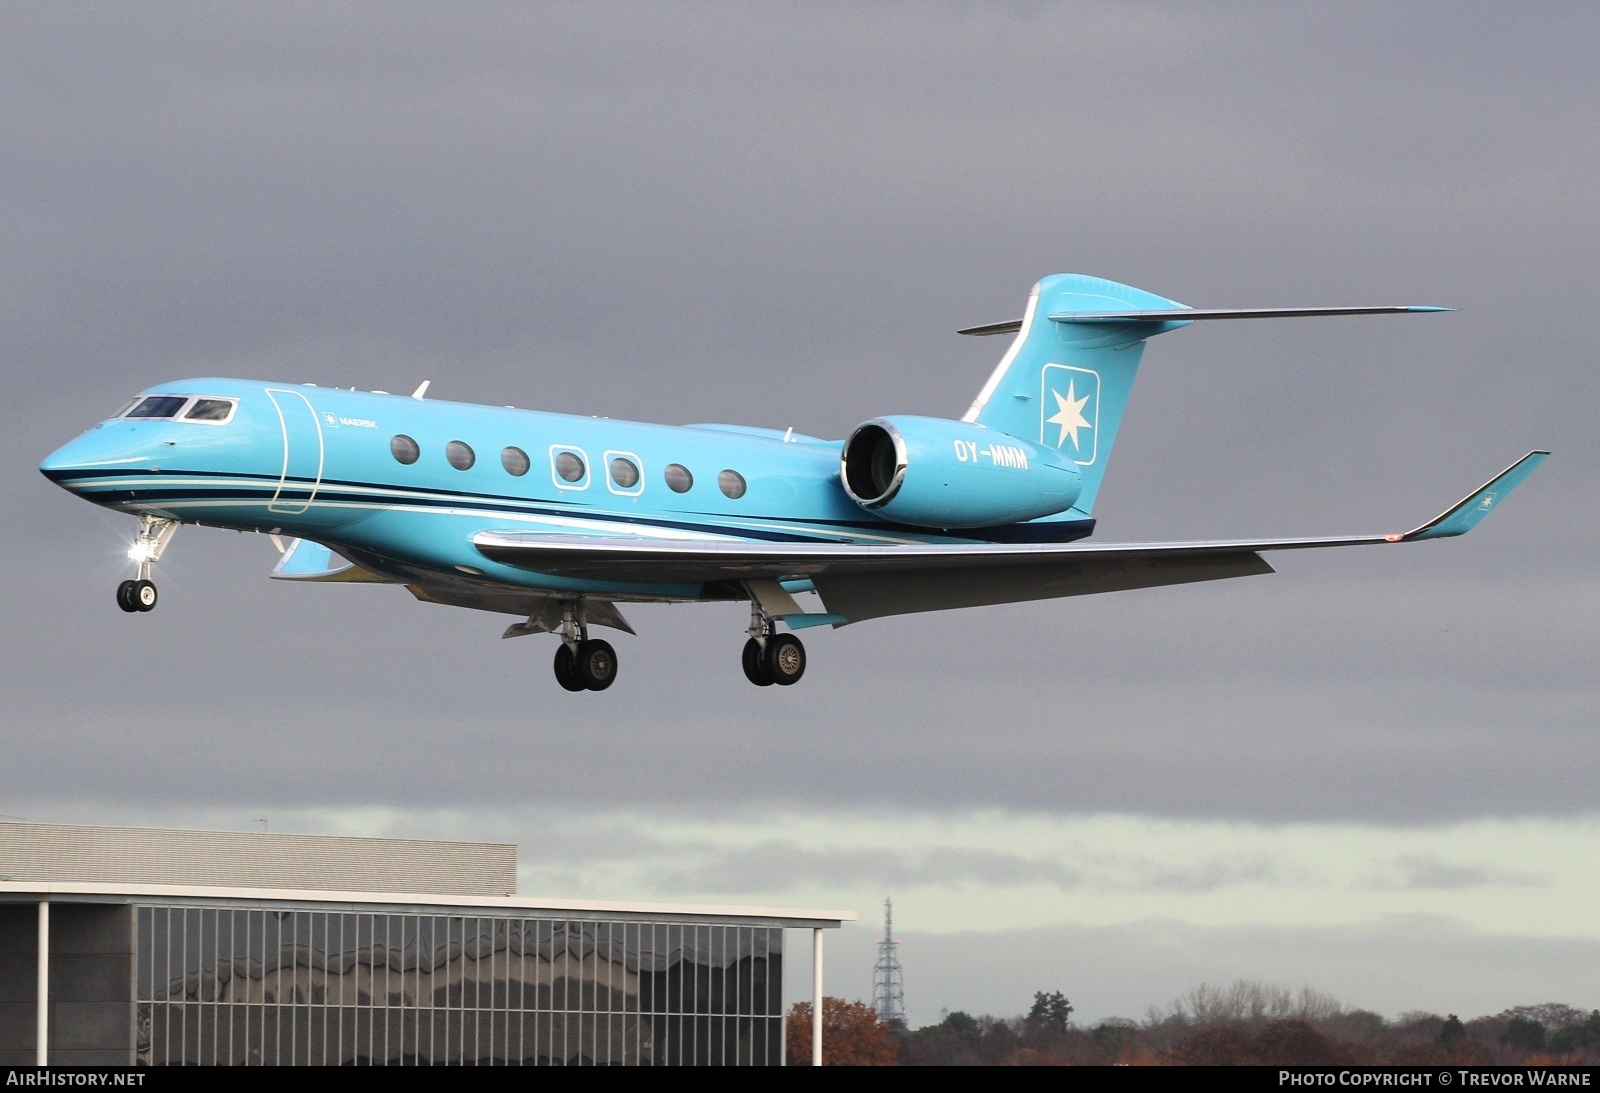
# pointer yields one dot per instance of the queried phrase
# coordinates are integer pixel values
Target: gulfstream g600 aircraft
(558, 519)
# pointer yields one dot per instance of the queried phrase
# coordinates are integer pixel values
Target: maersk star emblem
(1069, 409)
(1069, 415)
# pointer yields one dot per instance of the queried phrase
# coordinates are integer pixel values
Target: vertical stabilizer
(1065, 384)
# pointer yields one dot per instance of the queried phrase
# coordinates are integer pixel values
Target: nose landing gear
(155, 532)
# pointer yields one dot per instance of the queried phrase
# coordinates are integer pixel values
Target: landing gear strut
(583, 663)
(770, 657)
(155, 532)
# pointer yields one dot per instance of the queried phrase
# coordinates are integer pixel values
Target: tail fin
(1065, 383)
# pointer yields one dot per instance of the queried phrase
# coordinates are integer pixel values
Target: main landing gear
(583, 663)
(155, 532)
(770, 657)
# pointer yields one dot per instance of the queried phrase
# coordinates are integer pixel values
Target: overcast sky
(1374, 772)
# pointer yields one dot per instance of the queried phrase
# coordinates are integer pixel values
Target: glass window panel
(624, 473)
(732, 484)
(210, 409)
(679, 480)
(515, 461)
(158, 406)
(460, 455)
(263, 986)
(404, 449)
(570, 467)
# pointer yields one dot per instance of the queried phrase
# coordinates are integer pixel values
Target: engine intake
(952, 474)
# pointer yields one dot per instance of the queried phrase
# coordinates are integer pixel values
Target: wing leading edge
(860, 582)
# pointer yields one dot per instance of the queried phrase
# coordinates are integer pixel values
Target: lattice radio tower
(888, 981)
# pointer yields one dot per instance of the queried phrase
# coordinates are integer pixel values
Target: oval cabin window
(459, 455)
(624, 473)
(679, 480)
(515, 461)
(732, 484)
(404, 450)
(569, 467)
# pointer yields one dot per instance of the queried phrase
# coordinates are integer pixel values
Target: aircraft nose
(68, 464)
(60, 465)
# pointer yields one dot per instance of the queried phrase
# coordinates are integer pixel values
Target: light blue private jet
(557, 519)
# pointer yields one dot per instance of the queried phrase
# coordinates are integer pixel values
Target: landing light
(139, 552)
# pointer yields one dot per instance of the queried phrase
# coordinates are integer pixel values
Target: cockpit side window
(210, 409)
(158, 406)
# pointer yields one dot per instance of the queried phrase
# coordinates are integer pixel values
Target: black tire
(564, 673)
(125, 596)
(143, 595)
(785, 659)
(755, 669)
(595, 666)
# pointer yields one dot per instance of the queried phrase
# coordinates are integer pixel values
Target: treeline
(1247, 1023)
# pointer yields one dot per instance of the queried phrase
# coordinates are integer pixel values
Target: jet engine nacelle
(951, 474)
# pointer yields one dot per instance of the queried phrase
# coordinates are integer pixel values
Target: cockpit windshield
(209, 409)
(158, 406)
(213, 411)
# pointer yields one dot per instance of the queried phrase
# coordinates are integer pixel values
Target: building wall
(19, 925)
(91, 984)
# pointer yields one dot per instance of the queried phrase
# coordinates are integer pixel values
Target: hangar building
(124, 946)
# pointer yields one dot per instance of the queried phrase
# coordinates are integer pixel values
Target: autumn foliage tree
(852, 1035)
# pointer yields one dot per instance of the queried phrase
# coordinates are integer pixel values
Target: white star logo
(1069, 415)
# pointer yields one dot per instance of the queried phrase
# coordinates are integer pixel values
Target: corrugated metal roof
(63, 853)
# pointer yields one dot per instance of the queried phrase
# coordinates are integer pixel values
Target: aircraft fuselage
(326, 464)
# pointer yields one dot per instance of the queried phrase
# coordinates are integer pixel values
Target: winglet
(1464, 516)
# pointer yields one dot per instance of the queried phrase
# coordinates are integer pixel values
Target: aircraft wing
(859, 581)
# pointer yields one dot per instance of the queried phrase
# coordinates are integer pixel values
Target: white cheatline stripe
(390, 495)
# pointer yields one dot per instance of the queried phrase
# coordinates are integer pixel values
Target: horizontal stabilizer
(992, 328)
(1191, 314)
(308, 561)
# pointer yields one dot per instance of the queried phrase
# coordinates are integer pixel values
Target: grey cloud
(1427, 872)
(783, 866)
(1203, 877)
